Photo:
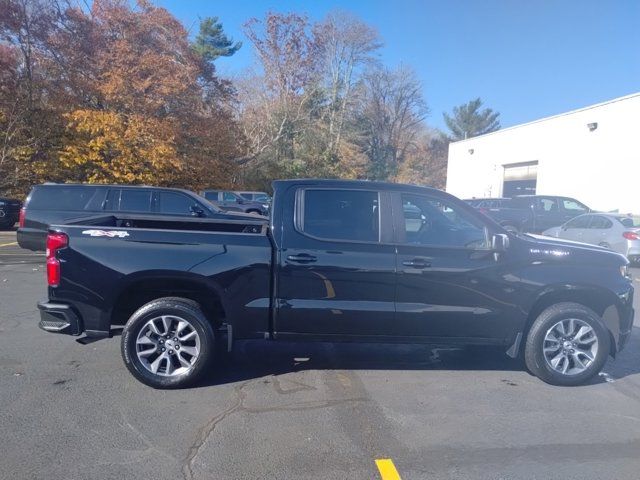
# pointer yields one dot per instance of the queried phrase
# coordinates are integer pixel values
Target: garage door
(520, 179)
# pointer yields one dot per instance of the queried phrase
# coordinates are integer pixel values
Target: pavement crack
(205, 432)
(238, 405)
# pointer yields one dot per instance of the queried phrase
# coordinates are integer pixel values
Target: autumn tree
(426, 162)
(390, 117)
(112, 92)
(29, 123)
(470, 120)
(347, 46)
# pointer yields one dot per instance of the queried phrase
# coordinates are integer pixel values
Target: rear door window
(132, 200)
(174, 203)
(351, 215)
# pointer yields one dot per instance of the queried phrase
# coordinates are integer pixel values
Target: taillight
(55, 241)
(631, 235)
(23, 212)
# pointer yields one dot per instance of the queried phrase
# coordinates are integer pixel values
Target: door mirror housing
(196, 211)
(500, 242)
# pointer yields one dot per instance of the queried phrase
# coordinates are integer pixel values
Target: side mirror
(500, 242)
(196, 211)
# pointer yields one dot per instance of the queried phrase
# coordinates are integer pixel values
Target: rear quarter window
(64, 198)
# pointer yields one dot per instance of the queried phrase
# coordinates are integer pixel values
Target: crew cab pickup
(336, 261)
(535, 213)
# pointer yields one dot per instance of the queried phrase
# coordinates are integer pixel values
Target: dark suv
(9, 212)
(228, 200)
(57, 203)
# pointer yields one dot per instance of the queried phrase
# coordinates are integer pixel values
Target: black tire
(534, 355)
(187, 310)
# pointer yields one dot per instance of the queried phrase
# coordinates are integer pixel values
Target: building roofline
(544, 119)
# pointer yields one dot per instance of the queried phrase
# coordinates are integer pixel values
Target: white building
(591, 154)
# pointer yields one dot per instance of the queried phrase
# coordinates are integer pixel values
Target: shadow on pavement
(258, 358)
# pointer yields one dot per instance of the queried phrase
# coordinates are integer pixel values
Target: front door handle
(417, 263)
(302, 258)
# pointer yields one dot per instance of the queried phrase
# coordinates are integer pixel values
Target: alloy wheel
(168, 346)
(570, 346)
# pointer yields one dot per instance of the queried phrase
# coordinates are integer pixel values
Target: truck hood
(543, 247)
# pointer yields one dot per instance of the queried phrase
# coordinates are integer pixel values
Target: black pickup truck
(337, 261)
(533, 213)
(9, 212)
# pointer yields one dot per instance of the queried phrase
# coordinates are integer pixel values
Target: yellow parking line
(7, 244)
(387, 469)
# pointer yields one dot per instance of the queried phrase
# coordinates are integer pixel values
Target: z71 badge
(106, 233)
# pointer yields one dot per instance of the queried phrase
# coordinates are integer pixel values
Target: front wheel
(567, 345)
(167, 343)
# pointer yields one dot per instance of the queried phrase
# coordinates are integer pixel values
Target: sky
(527, 59)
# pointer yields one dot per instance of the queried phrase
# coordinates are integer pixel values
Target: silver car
(620, 233)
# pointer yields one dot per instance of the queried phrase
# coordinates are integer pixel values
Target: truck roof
(359, 184)
(113, 185)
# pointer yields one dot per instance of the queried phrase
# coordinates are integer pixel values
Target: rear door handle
(302, 258)
(417, 263)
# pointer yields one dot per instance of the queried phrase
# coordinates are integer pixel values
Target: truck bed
(111, 257)
(257, 225)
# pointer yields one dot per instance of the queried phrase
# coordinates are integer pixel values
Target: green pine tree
(212, 43)
(469, 120)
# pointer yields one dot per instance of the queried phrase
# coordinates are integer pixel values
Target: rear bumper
(59, 318)
(32, 239)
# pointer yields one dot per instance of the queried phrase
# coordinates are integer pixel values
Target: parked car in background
(620, 233)
(261, 197)
(487, 202)
(57, 203)
(535, 213)
(9, 212)
(232, 201)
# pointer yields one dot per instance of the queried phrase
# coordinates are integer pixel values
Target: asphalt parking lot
(299, 411)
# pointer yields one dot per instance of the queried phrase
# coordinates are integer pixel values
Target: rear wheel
(168, 343)
(567, 345)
